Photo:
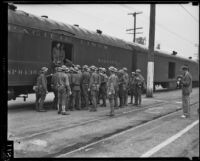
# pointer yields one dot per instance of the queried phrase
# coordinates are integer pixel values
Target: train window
(61, 53)
(171, 70)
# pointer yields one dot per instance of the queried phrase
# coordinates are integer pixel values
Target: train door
(61, 53)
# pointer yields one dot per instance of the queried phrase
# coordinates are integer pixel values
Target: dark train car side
(31, 40)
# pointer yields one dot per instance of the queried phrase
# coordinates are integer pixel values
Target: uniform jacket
(54, 81)
(42, 83)
(94, 81)
(112, 84)
(104, 78)
(187, 83)
(63, 81)
(76, 81)
(132, 82)
(85, 78)
(126, 78)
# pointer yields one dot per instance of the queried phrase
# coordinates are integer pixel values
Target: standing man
(63, 89)
(139, 85)
(112, 83)
(67, 102)
(103, 86)
(116, 86)
(85, 85)
(54, 88)
(132, 86)
(76, 89)
(122, 88)
(94, 88)
(126, 78)
(56, 54)
(186, 82)
(41, 90)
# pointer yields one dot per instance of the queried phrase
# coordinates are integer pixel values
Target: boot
(64, 111)
(58, 108)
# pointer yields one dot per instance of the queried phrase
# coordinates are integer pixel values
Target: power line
(189, 13)
(163, 27)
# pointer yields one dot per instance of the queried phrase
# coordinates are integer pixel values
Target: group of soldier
(78, 88)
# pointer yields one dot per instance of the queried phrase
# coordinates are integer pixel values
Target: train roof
(29, 20)
(143, 48)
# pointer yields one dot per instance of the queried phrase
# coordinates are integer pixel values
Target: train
(31, 40)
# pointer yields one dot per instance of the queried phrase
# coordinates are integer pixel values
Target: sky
(177, 25)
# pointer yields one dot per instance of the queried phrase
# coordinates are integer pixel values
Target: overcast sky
(177, 26)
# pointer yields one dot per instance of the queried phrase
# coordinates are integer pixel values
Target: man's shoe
(64, 113)
(183, 116)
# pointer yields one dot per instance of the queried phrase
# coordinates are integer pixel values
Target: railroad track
(81, 146)
(101, 117)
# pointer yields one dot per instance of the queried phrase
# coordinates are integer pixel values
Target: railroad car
(31, 40)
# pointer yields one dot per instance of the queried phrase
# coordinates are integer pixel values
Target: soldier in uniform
(71, 71)
(139, 85)
(186, 83)
(103, 86)
(122, 88)
(94, 87)
(54, 88)
(99, 77)
(112, 83)
(56, 53)
(132, 86)
(63, 90)
(76, 89)
(116, 86)
(85, 85)
(41, 89)
(67, 71)
(126, 78)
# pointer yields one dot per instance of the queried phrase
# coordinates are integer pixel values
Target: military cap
(184, 67)
(85, 66)
(111, 68)
(76, 69)
(43, 69)
(138, 71)
(59, 69)
(78, 66)
(71, 69)
(132, 72)
(121, 71)
(63, 67)
(93, 67)
(125, 69)
(103, 69)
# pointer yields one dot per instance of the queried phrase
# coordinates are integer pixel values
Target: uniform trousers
(186, 105)
(40, 97)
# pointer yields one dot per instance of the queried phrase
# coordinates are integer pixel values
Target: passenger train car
(32, 38)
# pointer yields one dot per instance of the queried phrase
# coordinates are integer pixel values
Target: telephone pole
(134, 29)
(150, 66)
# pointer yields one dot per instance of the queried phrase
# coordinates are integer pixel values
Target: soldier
(71, 71)
(63, 90)
(85, 85)
(139, 85)
(103, 86)
(89, 92)
(126, 77)
(41, 89)
(186, 82)
(99, 77)
(132, 86)
(94, 87)
(112, 83)
(54, 88)
(67, 71)
(76, 89)
(56, 53)
(116, 95)
(62, 54)
(122, 88)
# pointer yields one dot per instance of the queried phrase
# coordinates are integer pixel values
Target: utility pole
(150, 66)
(134, 29)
